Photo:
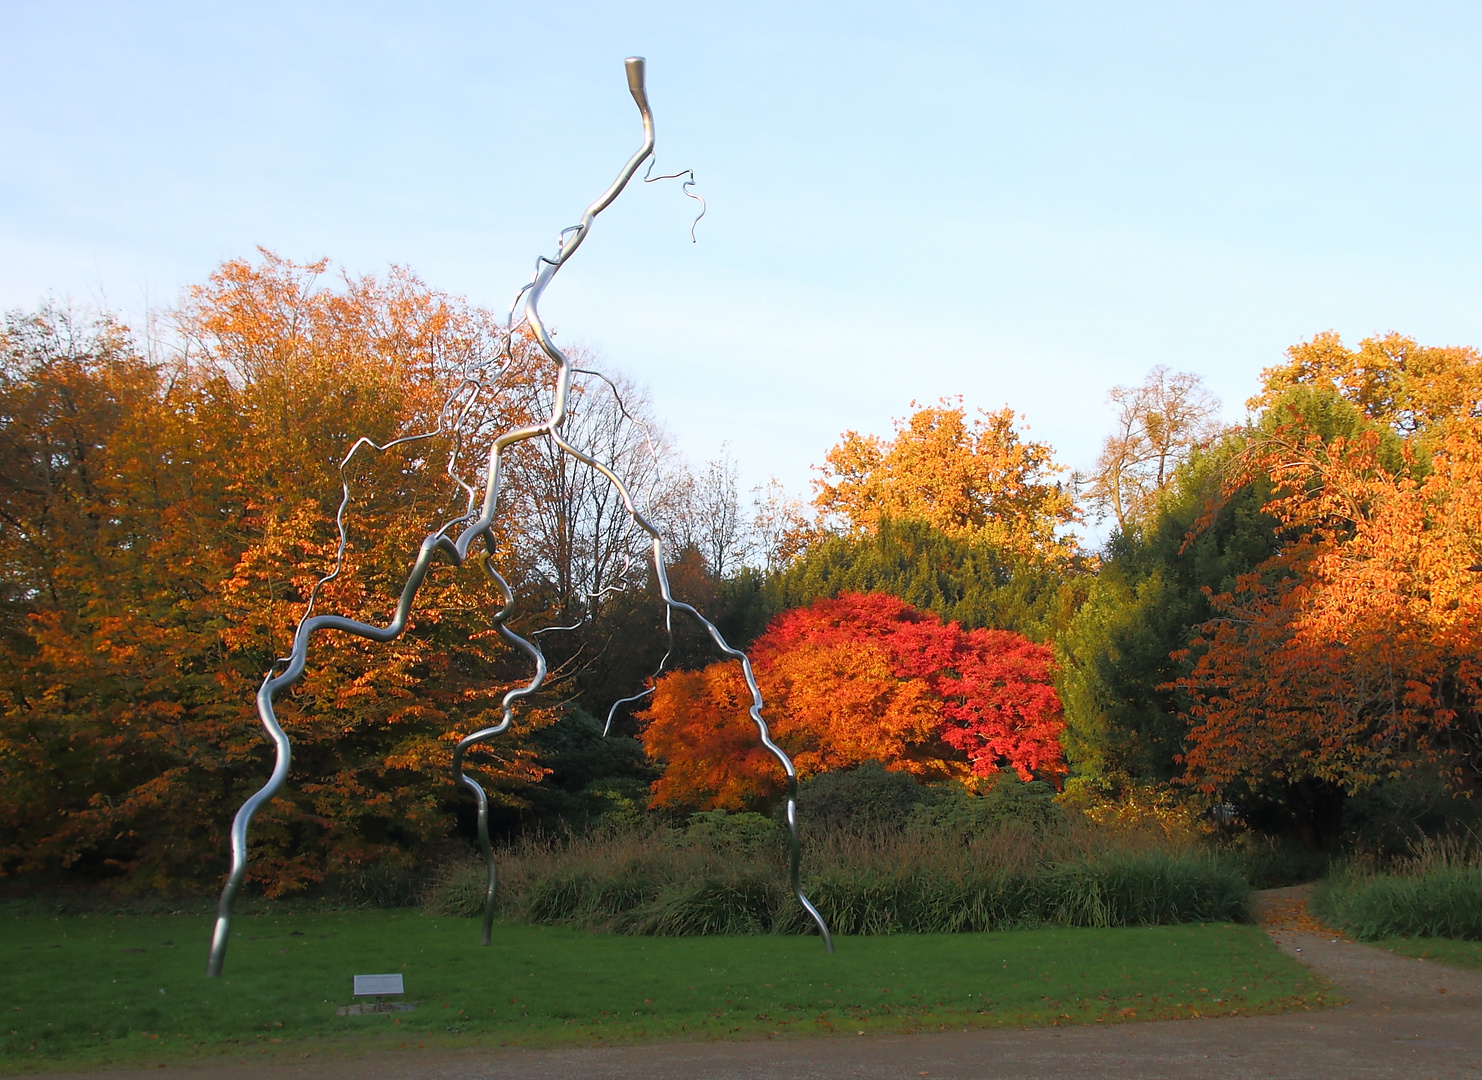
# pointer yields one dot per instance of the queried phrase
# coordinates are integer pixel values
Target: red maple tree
(856, 678)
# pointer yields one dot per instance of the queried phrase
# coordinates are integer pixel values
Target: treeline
(1289, 629)
(165, 520)
(1282, 626)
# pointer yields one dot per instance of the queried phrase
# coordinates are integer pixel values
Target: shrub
(1003, 800)
(744, 835)
(1268, 863)
(1114, 890)
(1443, 903)
(1387, 818)
(866, 798)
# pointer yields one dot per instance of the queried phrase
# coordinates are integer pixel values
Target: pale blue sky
(1024, 203)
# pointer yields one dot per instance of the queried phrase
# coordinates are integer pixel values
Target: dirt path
(1379, 982)
(1408, 1018)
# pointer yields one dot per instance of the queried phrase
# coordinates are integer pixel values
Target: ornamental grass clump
(727, 873)
(1435, 892)
(1012, 877)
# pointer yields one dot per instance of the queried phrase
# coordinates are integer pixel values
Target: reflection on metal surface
(455, 550)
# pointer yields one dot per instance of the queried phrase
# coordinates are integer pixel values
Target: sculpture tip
(635, 66)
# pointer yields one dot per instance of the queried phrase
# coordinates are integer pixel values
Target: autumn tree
(781, 526)
(1129, 647)
(1351, 656)
(970, 478)
(851, 679)
(1390, 379)
(165, 525)
(1158, 424)
(1346, 659)
(102, 545)
(697, 726)
(711, 520)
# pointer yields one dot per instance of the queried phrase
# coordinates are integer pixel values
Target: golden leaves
(1351, 654)
(171, 522)
(974, 479)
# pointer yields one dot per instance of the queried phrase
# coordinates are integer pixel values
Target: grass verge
(129, 990)
(1462, 954)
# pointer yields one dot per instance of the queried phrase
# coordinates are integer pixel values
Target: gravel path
(1407, 1018)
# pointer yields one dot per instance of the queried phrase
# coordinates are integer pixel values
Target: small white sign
(376, 985)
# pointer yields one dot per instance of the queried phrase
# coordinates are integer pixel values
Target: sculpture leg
(461, 778)
(797, 852)
(239, 829)
(485, 847)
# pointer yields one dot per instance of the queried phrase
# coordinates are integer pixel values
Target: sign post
(379, 986)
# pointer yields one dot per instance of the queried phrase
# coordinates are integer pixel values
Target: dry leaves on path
(1286, 909)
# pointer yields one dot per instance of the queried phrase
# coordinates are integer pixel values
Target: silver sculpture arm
(456, 551)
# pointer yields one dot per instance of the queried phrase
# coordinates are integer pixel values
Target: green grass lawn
(79, 990)
(1464, 954)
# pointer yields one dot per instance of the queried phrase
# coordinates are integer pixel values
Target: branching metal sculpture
(477, 525)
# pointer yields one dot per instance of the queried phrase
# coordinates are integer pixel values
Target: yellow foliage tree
(1394, 381)
(974, 479)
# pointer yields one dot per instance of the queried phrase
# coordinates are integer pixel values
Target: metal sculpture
(477, 522)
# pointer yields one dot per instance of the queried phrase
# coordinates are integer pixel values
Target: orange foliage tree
(1352, 655)
(971, 479)
(1391, 379)
(861, 677)
(163, 525)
